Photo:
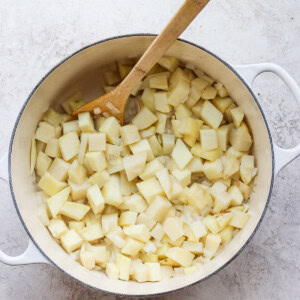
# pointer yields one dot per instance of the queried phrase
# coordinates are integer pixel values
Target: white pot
(82, 71)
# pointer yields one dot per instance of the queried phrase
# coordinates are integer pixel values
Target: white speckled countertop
(36, 35)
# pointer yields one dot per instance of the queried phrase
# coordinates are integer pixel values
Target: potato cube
(236, 195)
(43, 163)
(183, 176)
(124, 70)
(155, 145)
(97, 141)
(113, 151)
(212, 243)
(158, 208)
(209, 93)
(112, 271)
(211, 155)
(193, 247)
(240, 138)
(211, 224)
(226, 234)
(142, 146)
(40, 146)
(168, 141)
(246, 168)
(95, 199)
(99, 178)
(182, 112)
(132, 247)
(112, 191)
(115, 165)
(173, 228)
(198, 229)
(144, 118)
(161, 123)
(52, 117)
(169, 62)
(176, 124)
(149, 189)
(139, 232)
(85, 121)
(161, 102)
(237, 116)
(148, 132)
(136, 203)
(76, 225)
(179, 92)
(159, 81)
(146, 220)
(222, 202)
(222, 104)
(71, 126)
(59, 169)
(74, 210)
(109, 223)
(181, 154)
(223, 220)
(45, 132)
(148, 98)
(223, 133)
(209, 140)
(239, 219)
(164, 179)
(57, 201)
(127, 188)
(196, 165)
(87, 258)
(57, 228)
(129, 134)
(230, 165)
(50, 185)
(189, 127)
(127, 218)
(123, 263)
(178, 75)
(140, 272)
(196, 109)
(197, 196)
(71, 240)
(154, 273)
(151, 169)
(77, 173)
(157, 232)
(211, 115)
(52, 148)
(69, 145)
(111, 128)
(91, 232)
(181, 256)
(117, 238)
(134, 164)
(79, 191)
(217, 188)
(96, 160)
(213, 170)
(111, 77)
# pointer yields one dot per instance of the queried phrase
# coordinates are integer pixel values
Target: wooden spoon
(117, 98)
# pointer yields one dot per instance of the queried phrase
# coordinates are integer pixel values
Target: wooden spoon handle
(181, 20)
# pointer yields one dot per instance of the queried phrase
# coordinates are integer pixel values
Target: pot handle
(249, 73)
(31, 255)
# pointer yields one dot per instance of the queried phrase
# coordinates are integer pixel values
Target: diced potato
(74, 210)
(57, 228)
(129, 134)
(112, 271)
(123, 263)
(146, 220)
(226, 234)
(40, 146)
(148, 132)
(43, 163)
(230, 165)
(111, 77)
(168, 141)
(173, 228)
(158, 208)
(155, 146)
(181, 154)
(161, 123)
(159, 81)
(211, 115)
(71, 126)
(149, 189)
(116, 237)
(212, 243)
(91, 232)
(97, 141)
(85, 121)
(197, 196)
(96, 160)
(136, 203)
(77, 173)
(183, 176)
(240, 138)
(134, 164)
(78, 191)
(178, 75)
(179, 92)
(109, 223)
(196, 165)
(113, 151)
(165, 181)
(141, 272)
(71, 240)
(198, 229)
(52, 117)
(236, 195)
(209, 140)
(237, 116)
(59, 169)
(193, 247)
(213, 170)
(148, 98)
(50, 185)
(211, 224)
(209, 93)
(161, 102)
(223, 133)
(127, 218)
(45, 132)
(111, 128)
(76, 225)
(169, 62)
(132, 247)
(142, 146)
(57, 201)
(246, 168)
(127, 188)
(157, 232)
(197, 108)
(222, 202)
(99, 178)
(115, 165)
(189, 127)
(181, 256)
(223, 220)
(239, 219)
(87, 258)
(139, 232)
(95, 199)
(112, 191)
(154, 273)
(124, 69)
(222, 104)
(69, 145)
(52, 148)
(144, 118)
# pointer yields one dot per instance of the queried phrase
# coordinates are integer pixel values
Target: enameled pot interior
(82, 71)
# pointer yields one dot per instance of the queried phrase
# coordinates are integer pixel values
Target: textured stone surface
(35, 35)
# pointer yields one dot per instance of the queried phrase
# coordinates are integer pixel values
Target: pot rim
(38, 85)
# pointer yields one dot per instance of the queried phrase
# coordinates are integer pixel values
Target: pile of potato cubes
(153, 199)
